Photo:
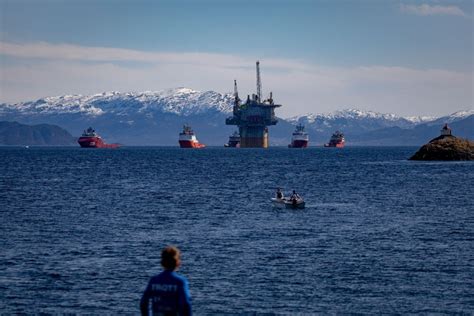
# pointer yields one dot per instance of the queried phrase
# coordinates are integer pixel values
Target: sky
(403, 57)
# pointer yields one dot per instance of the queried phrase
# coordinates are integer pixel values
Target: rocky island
(446, 147)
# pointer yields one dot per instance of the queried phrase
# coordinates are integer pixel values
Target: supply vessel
(337, 140)
(187, 138)
(253, 116)
(234, 140)
(300, 138)
(90, 139)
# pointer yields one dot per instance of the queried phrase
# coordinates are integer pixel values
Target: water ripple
(82, 230)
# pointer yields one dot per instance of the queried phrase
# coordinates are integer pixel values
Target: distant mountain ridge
(180, 101)
(155, 118)
(372, 128)
(14, 133)
(355, 114)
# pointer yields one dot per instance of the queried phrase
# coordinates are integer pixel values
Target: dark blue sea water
(81, 230)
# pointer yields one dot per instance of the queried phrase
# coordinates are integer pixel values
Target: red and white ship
(300, 138)
(337, 140)
(90, 139)
(187, 138)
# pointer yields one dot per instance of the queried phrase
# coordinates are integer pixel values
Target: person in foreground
(168, 291)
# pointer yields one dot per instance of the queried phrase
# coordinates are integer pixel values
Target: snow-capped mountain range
(180, 101)
(356, 114)
(155, 118)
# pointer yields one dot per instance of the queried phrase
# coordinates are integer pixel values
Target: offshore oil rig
(253, 116)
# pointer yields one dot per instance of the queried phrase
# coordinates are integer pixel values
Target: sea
(81, 230)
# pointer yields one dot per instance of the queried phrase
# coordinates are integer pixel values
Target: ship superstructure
(234, 140)
(187, 138)
(299, 138)
(253, 117)
(90, 139)
(337, 140)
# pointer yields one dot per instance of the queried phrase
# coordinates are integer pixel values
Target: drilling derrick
(259, 83)
(253, 117)
(236, 98)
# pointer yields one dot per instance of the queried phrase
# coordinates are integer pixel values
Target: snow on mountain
(456, 116)
(180, 101)
(357, 114)
(390, 119)
(351, 120)
(155, 118)
(186, 102)
(345, 114)
(459, 115)
(420, 119)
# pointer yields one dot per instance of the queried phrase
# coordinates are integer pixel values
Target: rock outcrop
(446, 147)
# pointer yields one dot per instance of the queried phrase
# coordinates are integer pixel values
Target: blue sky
(404, 57)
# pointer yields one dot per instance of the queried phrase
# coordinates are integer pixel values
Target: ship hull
(298, 144)
(336, 145)
(94, 142)
(232, 145)
(190, 144)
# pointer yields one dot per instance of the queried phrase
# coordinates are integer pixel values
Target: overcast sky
(402, 57)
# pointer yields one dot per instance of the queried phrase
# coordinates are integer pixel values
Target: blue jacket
(168, 293)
